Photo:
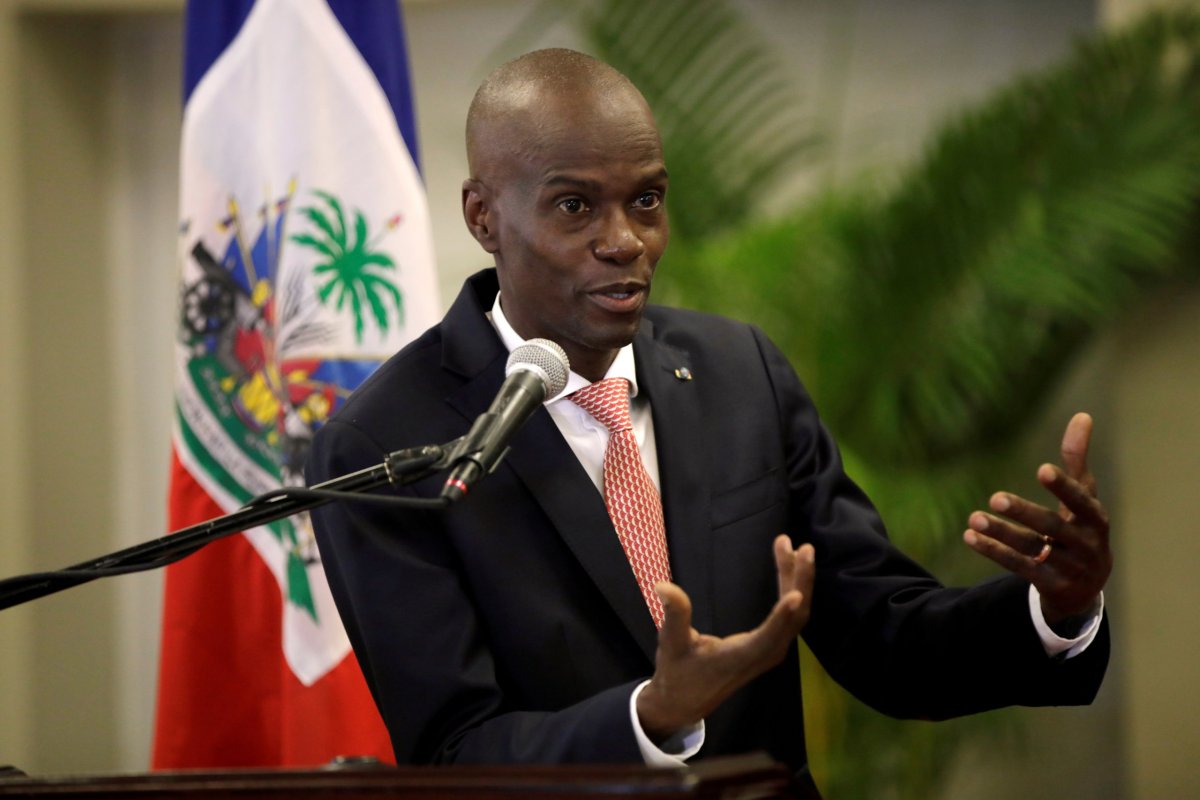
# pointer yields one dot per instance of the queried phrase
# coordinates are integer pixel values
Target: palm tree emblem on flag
(352, 270)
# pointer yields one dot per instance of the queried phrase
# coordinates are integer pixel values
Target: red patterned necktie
(633, 502)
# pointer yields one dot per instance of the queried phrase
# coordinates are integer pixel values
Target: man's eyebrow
(559, 179)
(556, 179)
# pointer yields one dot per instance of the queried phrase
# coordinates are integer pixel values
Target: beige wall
(88, 131)
(76, 670)
(69, 378)
(15, 671)
(1156, 383)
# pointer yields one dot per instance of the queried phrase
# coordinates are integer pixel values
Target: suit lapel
(552, 473)
(544, 463)
(665, 375)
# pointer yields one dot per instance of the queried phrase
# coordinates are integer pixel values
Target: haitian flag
(307, 258)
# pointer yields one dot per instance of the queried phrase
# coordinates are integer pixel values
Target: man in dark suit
(511, 627)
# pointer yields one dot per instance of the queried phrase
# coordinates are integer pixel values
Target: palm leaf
(352, 291)
(372, 280)
(374, 283)
(378, 309)
(327, 289)
(338, 232)
(308, 240)
(344, 289)
(360, 231)
(318, 218)
(380, 259)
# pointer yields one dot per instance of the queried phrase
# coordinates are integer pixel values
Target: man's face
(578, 213)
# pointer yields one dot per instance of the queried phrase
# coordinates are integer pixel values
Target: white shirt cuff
(676, 750)
(1051, 641)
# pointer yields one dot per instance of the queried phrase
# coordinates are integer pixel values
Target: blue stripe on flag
(348, 374)
(375, 27)
(210, 26)
(377, 31)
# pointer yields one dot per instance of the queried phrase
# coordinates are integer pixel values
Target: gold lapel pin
(683, 373)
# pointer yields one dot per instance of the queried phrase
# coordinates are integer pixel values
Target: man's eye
(648, 201)
(572, 205)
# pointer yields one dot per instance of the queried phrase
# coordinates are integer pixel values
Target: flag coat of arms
(306, 259)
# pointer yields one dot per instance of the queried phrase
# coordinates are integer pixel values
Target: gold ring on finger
(1047, 546)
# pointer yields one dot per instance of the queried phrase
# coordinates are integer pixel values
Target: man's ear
(478, 214)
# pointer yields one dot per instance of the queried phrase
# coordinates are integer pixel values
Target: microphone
(535, 370)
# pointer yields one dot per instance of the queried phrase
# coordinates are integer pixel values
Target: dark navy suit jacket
(510, 628)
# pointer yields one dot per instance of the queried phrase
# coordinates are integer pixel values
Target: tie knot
(607, 401)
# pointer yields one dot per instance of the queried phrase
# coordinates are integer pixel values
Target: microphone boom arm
(398, 468)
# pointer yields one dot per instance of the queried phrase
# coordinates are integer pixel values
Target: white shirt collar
(623, 365)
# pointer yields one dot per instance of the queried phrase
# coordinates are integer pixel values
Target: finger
(1078, 499)
(790, 613)
(675, 636)
(1085, 522)
(806, 571)
(1075, 443)
(1039, 558)
(1017, 537)
(785, 562)
(1012, 560)
(1032, 520)
(1023, 551)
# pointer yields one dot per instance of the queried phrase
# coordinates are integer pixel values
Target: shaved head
(538, 96)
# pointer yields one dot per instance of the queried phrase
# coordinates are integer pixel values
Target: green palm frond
(378, 259)
(373, 287)
(350, 268)
(352, 291)
(360, 231)
(335, 239)
(337, 233)
(317, 244)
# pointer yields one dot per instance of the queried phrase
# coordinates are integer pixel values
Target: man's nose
(618, 242)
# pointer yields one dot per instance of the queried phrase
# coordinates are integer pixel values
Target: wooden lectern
(741, 777)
